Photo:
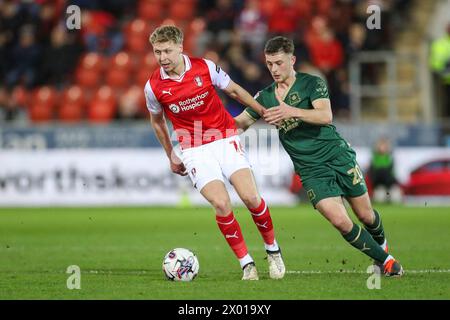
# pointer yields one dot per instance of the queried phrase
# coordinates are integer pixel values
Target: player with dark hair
(299, 105)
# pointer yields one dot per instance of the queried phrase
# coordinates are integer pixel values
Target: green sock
(363, 241)
(376, 229)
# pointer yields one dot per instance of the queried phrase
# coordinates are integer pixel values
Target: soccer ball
(180, 264)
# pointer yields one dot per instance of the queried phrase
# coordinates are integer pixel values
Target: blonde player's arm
(241, 95)
(159, 125)
(244, 121)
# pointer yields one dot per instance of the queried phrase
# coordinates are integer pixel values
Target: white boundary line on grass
(138, 272)
(361, 272)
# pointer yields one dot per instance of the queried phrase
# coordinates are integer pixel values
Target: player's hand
(177, 166)
(277, 114)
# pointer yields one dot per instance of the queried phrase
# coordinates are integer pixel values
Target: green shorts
(341, 176)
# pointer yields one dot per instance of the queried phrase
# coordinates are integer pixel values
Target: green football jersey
(307, 144)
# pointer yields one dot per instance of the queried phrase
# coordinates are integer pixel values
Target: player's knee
(222, 206)
(251, 200)
(367, 217)
(343, 224)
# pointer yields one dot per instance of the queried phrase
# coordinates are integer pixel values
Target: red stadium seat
(181, 10)
(73, 95)
(40, 113)
(150, 9)
(137, 26)
(20, 96)
(118, 77)
(88, 78)
(92, 60)
(142, 76)
(45, 95)
(120, 60)
(138, 43)
(104, 93)
(70, 112)
(101, 111)
(149, 62)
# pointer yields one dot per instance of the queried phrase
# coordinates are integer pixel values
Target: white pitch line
(140, 272)
(360, 272)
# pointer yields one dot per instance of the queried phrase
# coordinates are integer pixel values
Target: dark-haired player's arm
(321, 113)
(241, 95)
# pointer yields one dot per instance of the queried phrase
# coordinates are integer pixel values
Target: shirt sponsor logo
(174, 108)
(190, 103)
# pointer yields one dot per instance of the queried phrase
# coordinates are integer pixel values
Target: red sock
(232, 232)
(262, 219)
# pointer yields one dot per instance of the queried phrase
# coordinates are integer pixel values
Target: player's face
(280, 65)
(168, 55)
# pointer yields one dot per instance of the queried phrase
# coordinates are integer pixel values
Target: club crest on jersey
(174, 108)
(198, 81)
(294, 98)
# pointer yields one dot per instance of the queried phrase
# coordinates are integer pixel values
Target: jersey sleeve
(318, 89)
(219, 77)
(252, 113)
(150, 99)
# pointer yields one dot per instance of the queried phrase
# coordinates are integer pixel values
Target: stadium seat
(101, 111)
(104, 93)
(70, 112)
(88, 78)
(73, 95)
(137, 43)
(149, 62)
(181, 10)
(120, 60)
(46, 96)
(150, 9)
(92, 61)
(137, 26)
(40, 113)
(142, 76)
(117, 77)
(20, 96)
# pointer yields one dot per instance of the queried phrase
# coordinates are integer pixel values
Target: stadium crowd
(97, 73)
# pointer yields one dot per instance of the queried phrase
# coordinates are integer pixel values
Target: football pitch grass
(120, 252)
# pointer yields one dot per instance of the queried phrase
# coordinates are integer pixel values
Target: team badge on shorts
(198, 81)
(193, 172)
(311, 194)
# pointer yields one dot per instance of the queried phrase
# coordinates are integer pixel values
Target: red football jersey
(191, 102)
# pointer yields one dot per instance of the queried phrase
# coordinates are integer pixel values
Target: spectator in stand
(220, 21)
(252, 26)
(440, 65)
(128, 107)
(382, 175)
(10, 110)
(284, 21)
(25, 59)
(59, 58)
(326, 51)
(100, 32)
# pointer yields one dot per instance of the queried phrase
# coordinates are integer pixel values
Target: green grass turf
(120, 251)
